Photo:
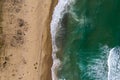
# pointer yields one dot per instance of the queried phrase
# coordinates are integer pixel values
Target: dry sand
(26, 43)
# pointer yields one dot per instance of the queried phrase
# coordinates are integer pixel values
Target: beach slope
(25, 41)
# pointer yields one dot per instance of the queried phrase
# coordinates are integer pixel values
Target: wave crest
(114, 64)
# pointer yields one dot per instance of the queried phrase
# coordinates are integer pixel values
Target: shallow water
(90, 29)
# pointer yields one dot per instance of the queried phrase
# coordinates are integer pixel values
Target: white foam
(114, 64)
(97, 65)
(58, 13)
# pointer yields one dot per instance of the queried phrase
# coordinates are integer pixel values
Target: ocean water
(86, 40)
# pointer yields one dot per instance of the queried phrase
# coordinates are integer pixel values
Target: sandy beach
(25, 41)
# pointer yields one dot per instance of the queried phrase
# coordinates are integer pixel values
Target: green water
(88, 38)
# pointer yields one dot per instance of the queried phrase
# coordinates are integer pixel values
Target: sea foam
(114, 64)
(97, 67)
(59, 11)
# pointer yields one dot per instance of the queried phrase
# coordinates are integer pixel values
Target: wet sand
(25, 41)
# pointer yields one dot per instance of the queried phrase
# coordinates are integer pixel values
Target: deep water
(90, 29)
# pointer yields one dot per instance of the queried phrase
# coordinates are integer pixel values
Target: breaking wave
(114, 64)
(59, 11)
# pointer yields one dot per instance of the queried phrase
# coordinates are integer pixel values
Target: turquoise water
(90, 29)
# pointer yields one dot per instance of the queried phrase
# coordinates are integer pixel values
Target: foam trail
(96, 69)
(58, 13)
(114, 64)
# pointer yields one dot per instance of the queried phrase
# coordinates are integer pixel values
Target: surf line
(58, 13)
(114, 64)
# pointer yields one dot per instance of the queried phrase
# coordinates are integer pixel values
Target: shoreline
(26, 29)
(56, 31)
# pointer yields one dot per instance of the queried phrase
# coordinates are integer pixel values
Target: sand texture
(25, 41)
